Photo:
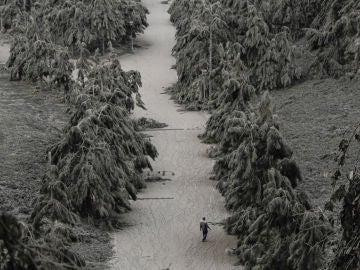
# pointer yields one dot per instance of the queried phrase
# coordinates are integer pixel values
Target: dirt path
(165, 233)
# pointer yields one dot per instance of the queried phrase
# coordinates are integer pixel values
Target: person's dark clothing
(204, 227)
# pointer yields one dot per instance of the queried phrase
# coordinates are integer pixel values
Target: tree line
(96, 166)
(228, 55)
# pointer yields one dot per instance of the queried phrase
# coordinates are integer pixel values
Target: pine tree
(334, 34)
(71, 23)
(346, 187)
(198, 38)
(9, 10)
(276, 67)
(234, 96)
(106, 21)
(100, 159)
(22, 249)
(39, 60)
(273, 221)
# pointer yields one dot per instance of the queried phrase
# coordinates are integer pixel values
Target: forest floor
(315, 116)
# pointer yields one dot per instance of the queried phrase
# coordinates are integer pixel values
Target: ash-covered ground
(315, 116)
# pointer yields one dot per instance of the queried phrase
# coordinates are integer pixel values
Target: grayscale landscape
(126, 124)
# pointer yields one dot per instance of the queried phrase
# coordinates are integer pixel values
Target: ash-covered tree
(346, 186)
(234, 96)
(95, 23)
(99, 161)
(276, 66)
(276, 227)
(267, 55)
(73, 22)
(12, 11)
(39, 61)
(257, 36)
(334, 35)
(296, 15)
(134, 17)
(196, 50)
(106, 21)
(22, 249)
(35, 57)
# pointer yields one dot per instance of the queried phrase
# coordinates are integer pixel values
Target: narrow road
(165, 233)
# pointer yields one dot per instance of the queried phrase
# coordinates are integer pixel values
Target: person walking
(204, 227)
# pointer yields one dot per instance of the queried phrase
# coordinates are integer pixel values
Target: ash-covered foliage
(22, 248)
(334, 34)
(35, 57)
(204, 27)
(11, 13)
(227, 52)
(346, 186)
(347, 256)
(233, 99)
(94, 23)
(39, 61)
(97, 165)
(295, 15)
(73, 22)
(95, 168)
(47, 33)
(275, 224)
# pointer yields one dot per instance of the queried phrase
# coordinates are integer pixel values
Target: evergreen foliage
(97, 166)
(347, 192)
(94, 23)
(13, 13)
(98, 163)
(334, 35)
(295, 15)
(276, 66)
(21, 249)
(276, 227)
(39, 50)
(196, 49)
(234, 97)
(203, 28)
(39, 60)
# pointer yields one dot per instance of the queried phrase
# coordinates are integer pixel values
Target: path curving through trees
(164, 233)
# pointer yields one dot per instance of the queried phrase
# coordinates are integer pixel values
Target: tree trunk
(202, 90)
(103, 46)
(132, 44)
(29, 5)
(210, 62)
